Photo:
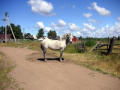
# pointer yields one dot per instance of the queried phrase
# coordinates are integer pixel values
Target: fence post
(111, 44)
(83, 47)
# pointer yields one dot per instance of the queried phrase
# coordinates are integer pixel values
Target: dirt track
(33, 74)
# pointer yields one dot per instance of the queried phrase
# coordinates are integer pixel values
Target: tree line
(16, 30)
(19, 35)
(51, 34)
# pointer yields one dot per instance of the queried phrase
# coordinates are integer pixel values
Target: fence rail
(12, 40)
(109, 47)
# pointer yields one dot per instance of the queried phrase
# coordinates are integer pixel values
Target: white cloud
(54, 25)
(102, 11)
(87, 33)
(88, 26)
(87, 15)
(61, 23)
(73, 26)
(40, 24)
(47, 29)
(92, 20)
(78, 33)
(118, 18)
(42, 7)
(117, 24)
(66, 31)
(106, 31)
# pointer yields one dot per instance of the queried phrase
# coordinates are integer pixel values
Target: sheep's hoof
(45, 60)
(60, 60)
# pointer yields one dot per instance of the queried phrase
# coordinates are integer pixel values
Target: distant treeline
(16, 30)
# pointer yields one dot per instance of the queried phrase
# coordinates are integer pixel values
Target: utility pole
(5, 33)
(23, 33)
(7, 20)
(5, 30)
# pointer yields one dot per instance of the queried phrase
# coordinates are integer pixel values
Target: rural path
(33, 74)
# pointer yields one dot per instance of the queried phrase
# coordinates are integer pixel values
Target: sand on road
(33, 74)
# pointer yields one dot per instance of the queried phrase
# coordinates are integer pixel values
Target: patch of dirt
(37, 57)
(34, 74)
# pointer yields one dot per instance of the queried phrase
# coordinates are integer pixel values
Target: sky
(86, 18)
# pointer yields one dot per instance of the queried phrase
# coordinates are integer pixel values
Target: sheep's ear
(67, 35)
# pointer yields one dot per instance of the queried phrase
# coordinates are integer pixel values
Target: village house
(2, 37)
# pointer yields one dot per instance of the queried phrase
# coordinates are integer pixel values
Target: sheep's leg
(44, 52)
(61, 53)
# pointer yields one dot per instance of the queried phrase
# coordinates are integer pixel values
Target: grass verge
(95, 61)
(6, 80)
(105, 64)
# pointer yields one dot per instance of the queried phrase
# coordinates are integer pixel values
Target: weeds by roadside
(105, 64)
(6, 80)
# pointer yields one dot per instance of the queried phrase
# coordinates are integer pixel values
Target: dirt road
(34, 74)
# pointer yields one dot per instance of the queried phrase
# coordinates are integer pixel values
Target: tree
(80, 38)
(28, 36)
(52, 34)
(40, 33)
(16, 29)
(2, 30)
(118, 37)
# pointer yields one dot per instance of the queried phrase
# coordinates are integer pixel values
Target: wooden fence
(108, 47)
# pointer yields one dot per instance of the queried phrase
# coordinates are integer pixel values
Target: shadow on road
(42, 59)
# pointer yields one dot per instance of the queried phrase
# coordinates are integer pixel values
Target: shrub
(90, 43)
(70, 49)
(74, 48)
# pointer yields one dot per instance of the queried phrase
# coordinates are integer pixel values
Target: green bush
(74, 48)
(90, 43)
(70, 49)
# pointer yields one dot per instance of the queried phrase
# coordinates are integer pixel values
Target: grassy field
(106, 64)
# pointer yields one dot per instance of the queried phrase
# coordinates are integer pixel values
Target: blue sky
(94, 18)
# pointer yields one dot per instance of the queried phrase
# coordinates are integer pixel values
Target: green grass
(90, 43)
(93, 61)
(35, 45)
(6, 80)
(71, 49)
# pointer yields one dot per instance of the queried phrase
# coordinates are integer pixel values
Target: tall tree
(16, 30)
(40, 33)
(52, 34)
(2, 30)
(28, 36)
